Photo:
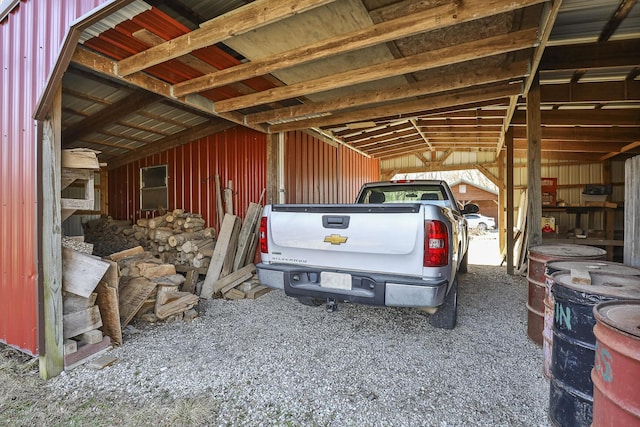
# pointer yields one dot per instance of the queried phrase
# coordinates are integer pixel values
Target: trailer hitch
(332, 305)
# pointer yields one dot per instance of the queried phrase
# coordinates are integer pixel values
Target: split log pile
(177, 237)
(152, 290)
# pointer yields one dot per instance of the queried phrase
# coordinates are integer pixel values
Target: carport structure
(409, 85)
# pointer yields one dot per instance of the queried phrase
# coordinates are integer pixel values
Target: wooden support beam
(50, 334)
(534, 166)
(411, 24)
(435, 102)
(584, 134)
(616, 19)
(592, 92)
(624, 149)
(238, 21)
(423, 61)
(600, 117)
(614, 53)
(509, 202)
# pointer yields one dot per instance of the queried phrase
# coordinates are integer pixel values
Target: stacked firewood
(151, 289)
(177, 237)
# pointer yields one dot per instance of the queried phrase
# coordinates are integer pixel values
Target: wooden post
(50, 328)
(508, 140)
(502, 193)
(534, 164)
(631, 215)
(273, 186)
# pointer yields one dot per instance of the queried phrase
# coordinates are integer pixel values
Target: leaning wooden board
(81, 273)
(133, 293)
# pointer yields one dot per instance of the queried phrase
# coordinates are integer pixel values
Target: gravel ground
(273, 361)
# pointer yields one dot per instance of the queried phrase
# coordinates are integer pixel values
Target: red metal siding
(237, 154)
(317, 172)
(30, 40)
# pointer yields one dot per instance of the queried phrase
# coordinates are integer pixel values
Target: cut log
(151, 270)
(158, 221)
(82, 321)
(580, 277)
(172, 280)
(180, 239)
(81, 273)
(194, 223)
(219, 254)
(91, 337)
(161, 234)
(126, 253)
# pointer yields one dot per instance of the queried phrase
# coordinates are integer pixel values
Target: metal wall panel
(237, 155)
(319, 172)
(30, 40)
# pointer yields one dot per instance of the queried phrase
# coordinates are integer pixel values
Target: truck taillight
(436, 244)
(264, 245)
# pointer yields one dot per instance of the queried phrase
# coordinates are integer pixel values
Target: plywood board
(81, 273)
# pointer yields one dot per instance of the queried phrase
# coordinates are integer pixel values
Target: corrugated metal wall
(30, 39)
(319, 172)
(237, 154)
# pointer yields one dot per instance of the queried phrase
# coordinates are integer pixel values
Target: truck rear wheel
(447, 315)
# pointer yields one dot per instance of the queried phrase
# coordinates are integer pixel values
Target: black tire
(311, 301)
(447, 315)
(464, 263)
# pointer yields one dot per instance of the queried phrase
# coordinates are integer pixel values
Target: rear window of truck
(404, 194)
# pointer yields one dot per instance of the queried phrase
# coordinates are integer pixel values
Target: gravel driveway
(273, 361)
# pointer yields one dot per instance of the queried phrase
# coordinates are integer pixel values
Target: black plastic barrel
(573, 354)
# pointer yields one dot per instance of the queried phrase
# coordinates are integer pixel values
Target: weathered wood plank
(126, 253)
(219, 254)
(256, 292)
(133, 293)
(109, 311)
(86, 353)
(244, 239)
(81, 273)
(227, 266)
(81, 321)
(234, 279)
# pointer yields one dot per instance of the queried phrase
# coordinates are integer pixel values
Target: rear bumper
(366, 288)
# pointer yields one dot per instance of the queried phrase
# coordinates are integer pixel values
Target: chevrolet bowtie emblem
(335, 239)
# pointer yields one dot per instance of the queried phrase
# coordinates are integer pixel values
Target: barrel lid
(612, 285)
(568, 250)
(621, 315)
(593, 266)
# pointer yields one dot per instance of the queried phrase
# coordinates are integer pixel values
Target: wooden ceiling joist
(427, 60)
(592, 92)
(600, 117)
(419, 22)
(618, 53)
(239, 21)
(428, 87)
(406, 109)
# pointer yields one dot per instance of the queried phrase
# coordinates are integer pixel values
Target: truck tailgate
(324, 234)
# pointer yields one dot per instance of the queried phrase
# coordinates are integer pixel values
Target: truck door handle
(332, 221)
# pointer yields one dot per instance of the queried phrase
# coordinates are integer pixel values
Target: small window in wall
(153, 188)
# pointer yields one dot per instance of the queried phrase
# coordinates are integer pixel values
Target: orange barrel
(573, 354)
(616, 371)
(568, 265)
(538, 257)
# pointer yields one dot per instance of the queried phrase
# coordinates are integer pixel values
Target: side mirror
(470, 209)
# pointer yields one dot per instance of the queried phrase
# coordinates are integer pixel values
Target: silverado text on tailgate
(401, 244)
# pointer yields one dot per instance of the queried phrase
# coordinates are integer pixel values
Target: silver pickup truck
(401, 244)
